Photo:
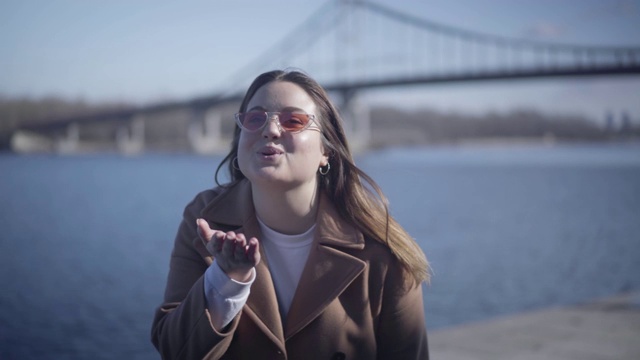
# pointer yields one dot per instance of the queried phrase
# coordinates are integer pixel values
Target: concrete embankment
(603, 329)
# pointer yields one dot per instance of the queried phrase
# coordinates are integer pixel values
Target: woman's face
(273, 156)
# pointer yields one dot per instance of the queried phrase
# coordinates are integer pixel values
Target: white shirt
(286, 256)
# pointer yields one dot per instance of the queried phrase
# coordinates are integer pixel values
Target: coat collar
(233, 207)
(327, 273)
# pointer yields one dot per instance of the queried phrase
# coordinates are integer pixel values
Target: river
(85, 240)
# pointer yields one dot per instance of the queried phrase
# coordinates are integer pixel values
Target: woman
(295, 258)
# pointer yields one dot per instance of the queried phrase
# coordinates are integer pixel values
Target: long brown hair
(343, 184)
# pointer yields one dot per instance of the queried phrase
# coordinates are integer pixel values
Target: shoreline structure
(606, 328)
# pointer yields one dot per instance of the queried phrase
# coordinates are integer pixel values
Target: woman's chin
(268, 174)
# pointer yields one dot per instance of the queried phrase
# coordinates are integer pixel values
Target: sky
(149, 51)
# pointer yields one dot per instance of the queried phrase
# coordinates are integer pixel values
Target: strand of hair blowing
(371, 215)
(367, 209)
(367, 206)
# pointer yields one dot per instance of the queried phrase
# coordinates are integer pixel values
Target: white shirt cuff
(225, 296)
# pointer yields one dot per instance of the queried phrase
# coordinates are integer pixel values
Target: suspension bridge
(349, 47)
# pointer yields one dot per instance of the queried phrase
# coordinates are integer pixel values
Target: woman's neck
(290, 211)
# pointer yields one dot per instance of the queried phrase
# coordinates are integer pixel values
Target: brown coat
(350, 303)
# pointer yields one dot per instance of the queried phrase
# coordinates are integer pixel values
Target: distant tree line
(15, 112)
(420, 126)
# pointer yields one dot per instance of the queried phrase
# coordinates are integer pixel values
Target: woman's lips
(269, 151)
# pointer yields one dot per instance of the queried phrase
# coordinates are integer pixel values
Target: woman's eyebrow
(287, 108)
(292, 109)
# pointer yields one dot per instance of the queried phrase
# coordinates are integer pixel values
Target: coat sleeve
(182, 326)
(402, 332)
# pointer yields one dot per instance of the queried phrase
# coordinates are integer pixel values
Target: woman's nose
(272, 128)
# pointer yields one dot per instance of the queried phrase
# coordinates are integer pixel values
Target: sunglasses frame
(270, 116)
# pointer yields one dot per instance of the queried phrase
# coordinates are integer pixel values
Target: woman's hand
(234, 254)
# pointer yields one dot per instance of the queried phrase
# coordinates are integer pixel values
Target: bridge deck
(605, 329)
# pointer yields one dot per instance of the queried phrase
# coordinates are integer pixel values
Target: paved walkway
(604, 329)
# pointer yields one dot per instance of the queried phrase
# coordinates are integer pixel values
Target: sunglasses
(253, 121)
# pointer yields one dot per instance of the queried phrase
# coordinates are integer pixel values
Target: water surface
(85, 240)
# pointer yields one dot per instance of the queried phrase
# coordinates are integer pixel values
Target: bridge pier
(68, 143)
(130, 137)
(357, 120)
(30, 142)
(205, 133)
(360, 136)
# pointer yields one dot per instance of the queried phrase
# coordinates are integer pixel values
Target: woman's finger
(229, 245)
(253, 251)
(204, 231)
(214, 245)
(240, 248)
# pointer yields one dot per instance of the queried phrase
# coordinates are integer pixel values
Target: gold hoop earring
(324, 170)
(235, 163)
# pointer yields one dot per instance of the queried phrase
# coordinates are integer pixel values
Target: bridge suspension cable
(362, 42)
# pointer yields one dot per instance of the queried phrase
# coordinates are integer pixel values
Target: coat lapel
(234, 210)
(262, 304)
(328, 271)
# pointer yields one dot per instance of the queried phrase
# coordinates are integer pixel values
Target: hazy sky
(145, 51)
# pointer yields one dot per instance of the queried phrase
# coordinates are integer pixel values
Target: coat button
(338, 356)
